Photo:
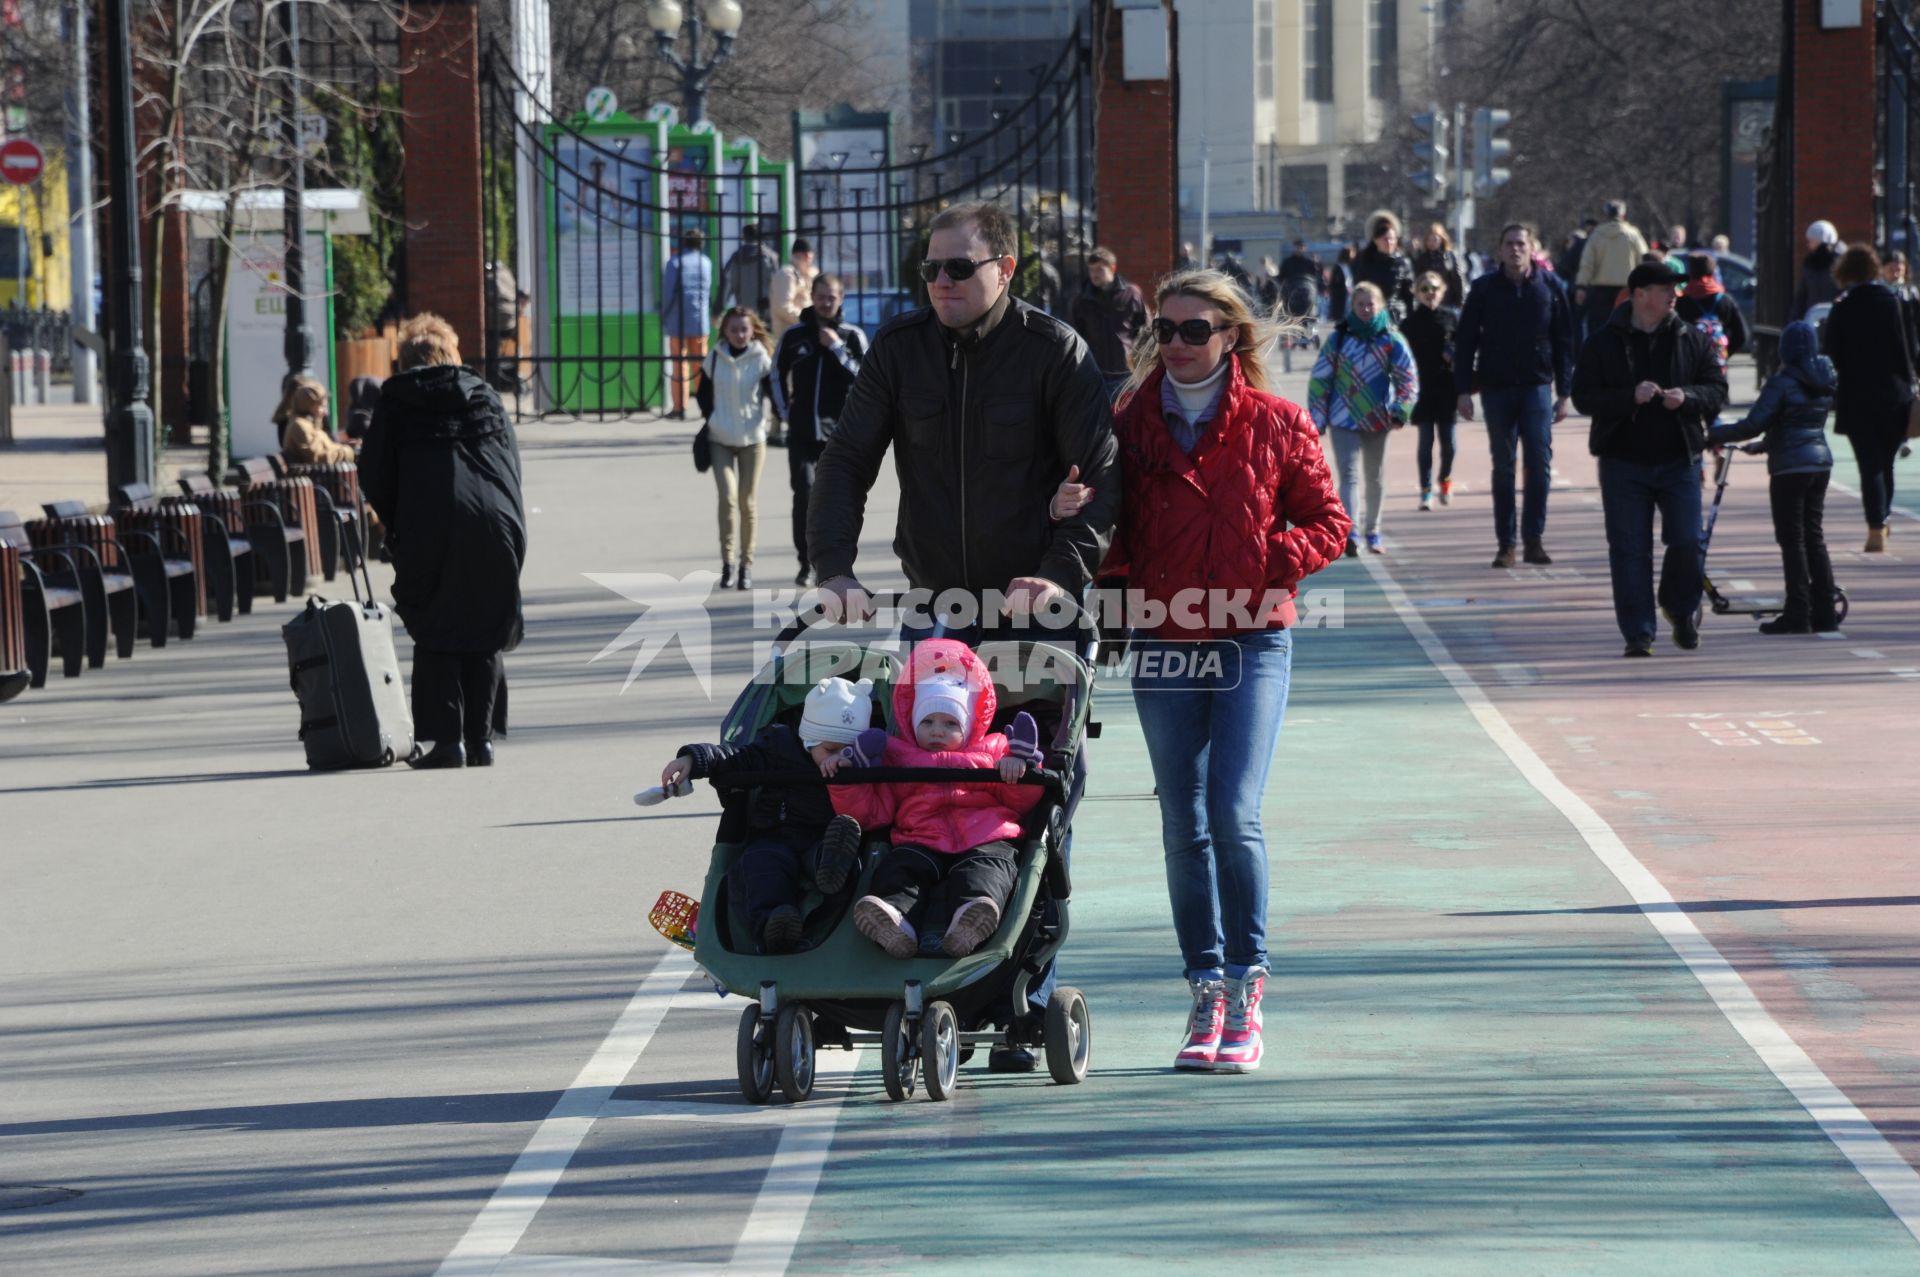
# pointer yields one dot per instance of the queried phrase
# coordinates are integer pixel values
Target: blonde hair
(1436, 230)
(1371, 290)
(1219, 292)
(427, 339)
(1429, 278)
(756, 331)
(292, 391)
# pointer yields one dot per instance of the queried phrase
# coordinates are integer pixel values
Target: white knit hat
(1823, 232)
(943, 695)
(837, 711)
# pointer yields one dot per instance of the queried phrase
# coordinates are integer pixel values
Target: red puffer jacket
(948, 818)
(1223, 538)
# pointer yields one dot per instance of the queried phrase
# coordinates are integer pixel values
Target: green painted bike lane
(1446, 1090)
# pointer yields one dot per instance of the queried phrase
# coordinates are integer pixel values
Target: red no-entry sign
(21, 162)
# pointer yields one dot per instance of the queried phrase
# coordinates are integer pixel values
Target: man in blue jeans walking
(1514, 344)
(1651, 383)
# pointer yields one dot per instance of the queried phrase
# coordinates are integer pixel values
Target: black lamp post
(129, 423)
(299, 339)
(666, 19)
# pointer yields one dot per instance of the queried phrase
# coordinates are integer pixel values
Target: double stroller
(838, 990)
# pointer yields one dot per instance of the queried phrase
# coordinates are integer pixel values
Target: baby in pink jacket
(952, 866)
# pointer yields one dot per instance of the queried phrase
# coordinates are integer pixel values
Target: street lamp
(666, 18)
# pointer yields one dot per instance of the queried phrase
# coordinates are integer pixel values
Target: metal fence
(608, 340)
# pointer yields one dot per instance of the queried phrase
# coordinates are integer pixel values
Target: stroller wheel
(793, 1052)
(1069, 1036)
(753, 1054)
(940, 1049)
(899, 1058)
(1839, 605)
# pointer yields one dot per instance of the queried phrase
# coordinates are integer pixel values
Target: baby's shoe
(782, 933)
(973, 923)
(886, 926)
(838, 853)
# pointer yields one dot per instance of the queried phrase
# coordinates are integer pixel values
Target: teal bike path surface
(1446, 1089)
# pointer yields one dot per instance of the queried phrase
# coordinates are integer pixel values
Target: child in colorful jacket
(1364, 385)
(951, 869)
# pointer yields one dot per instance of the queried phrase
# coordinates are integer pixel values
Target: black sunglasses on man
(958, 269)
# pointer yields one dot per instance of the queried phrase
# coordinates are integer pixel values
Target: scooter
(1721, 604)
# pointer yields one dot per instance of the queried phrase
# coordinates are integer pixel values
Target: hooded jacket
(945, 818)
(441, 468)
(1866, 336)
(1391, 273)
(1792, 410)
(983, 425)
(732, 394)
(1679, 357)
(1244, 519)
(1368, 384)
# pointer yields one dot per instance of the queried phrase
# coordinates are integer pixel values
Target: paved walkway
(270, 1021)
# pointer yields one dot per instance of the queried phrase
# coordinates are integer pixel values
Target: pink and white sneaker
(1240, 1046)
(1204, 1025)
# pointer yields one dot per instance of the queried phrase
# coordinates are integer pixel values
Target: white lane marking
(1869, 654)
(504, 1219)
(780, 1212)
(587, 1266)
(694, 1111)
(1851, 1132)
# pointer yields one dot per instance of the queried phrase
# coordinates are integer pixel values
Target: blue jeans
(1630, 491)
(1210, 735)
(1520, 416)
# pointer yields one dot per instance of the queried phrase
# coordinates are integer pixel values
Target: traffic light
(1433, 151)
(1490, 150)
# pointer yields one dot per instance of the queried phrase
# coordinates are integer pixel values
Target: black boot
(1786, 623)
(726, 575)
(746, 578)
(446, 753)
(479, 753)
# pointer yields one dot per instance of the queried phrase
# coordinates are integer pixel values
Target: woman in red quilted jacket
(1228, 505)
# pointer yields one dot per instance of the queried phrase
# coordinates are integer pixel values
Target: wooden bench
(224, 545)
(51, 602)
(105, 579)
(279, 514)
(169, 594)
(342, 514)
(176, 523)
(15, 677)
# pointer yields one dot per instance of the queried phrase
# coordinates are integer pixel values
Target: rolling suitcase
(353, 702)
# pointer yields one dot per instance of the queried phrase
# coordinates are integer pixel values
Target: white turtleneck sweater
(1195, 397)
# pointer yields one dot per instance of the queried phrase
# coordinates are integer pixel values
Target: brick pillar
(1135, 147)
(1833, 133)
(440, 135)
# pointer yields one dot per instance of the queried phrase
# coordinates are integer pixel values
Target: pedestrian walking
(1866, 337)
(503, 325)
(1515, 348)
(1301, 283)
(1790, 421)
(1816, 286)
(441, 468)
(791, 289)
(1706, 306)
(1363, 388)
(735, 385)
(1436, 256)
(1613, 251)
(1893, 273)
(813, 372)
(1429, 331)
(1340, 284)
(686, 285)
(1109, 314)
(1382, 264)
(987, 405)
(748, 277)
(1227, 492)
(1651, 384)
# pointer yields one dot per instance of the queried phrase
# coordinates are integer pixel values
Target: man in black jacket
(1515, 345)
(1109, 314)
(1651, 384)
(813, 371)
(986, 404)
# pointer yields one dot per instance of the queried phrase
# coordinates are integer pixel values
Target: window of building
(1317, 49)
(1263, 49)
(1383, 49)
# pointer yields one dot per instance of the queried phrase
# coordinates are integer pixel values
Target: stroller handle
(1084, 629)
(814, 615)
(1050, 779)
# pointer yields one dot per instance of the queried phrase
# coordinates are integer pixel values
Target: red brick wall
(440, 133)
(1833, 135)
(1136, 156)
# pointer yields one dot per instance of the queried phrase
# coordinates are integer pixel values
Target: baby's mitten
(1023, 739)
(868, 748)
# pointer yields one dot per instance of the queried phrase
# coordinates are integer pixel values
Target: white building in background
(1274, 94)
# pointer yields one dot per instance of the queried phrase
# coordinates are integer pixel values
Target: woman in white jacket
(733, 398)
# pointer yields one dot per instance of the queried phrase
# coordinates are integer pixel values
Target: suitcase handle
(366, 576)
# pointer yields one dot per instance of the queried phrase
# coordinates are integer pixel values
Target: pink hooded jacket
(945, 818)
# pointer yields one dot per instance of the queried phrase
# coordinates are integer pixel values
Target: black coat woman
(442, 469)
(1866, 337)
